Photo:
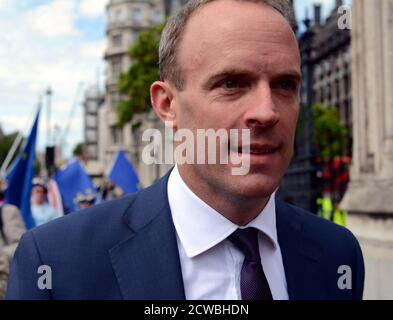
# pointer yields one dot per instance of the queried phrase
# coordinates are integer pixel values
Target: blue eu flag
(73, 182)
(21, 175)
(123, 174)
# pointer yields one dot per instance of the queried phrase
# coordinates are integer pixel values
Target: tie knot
(246, 240)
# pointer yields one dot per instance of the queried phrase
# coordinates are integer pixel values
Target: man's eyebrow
(239, 72)
(296, 75)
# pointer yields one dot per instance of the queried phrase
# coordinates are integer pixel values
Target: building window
(176, 4)
(116, 135)
(92, 151)
(338, 60)
(116, 67)
(119, 17)
(91, 121)
(91, 107)
(346, 85)
(347, 56)
(117, 40)
(337, 90)
(115, 100)
(136, 15)
(133, 37)
(91, 136)
(329, 94)
(347, 113)
(157, 17)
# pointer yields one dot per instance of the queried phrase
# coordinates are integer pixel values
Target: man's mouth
(257, 149)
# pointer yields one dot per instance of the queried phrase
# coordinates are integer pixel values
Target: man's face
(85, 204)
(38, 195)
(241, 66)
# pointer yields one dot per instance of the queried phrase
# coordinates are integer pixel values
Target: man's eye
(230, 84)
(234, 84)
(287, 85)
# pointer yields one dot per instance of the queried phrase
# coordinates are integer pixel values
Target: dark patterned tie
(253, 283)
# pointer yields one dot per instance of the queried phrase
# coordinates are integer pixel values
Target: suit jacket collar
(301, 255)
(147, 264)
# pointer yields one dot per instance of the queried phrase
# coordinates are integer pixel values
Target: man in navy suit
(202, 232)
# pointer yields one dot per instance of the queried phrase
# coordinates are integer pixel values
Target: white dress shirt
(210, 263)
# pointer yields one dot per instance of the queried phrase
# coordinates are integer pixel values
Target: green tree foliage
(135, 83)
(330, 135)
(5, 145)
(78, 150)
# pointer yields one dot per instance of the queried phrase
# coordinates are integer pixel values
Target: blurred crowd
(12, 225)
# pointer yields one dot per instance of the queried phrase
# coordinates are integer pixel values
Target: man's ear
(161, 96)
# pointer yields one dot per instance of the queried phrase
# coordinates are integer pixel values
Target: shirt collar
(200, 227)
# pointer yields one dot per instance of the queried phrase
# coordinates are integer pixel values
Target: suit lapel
(147, 264)
(301, 256)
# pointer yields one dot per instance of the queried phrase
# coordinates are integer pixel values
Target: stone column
(369, 199)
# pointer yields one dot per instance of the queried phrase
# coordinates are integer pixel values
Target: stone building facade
(369, 198)
(125, 19)
(329, 62)
(326, 79)
(93, 101)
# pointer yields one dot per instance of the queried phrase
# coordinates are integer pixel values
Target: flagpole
(10, 154)
(70, 116)
(48, 118)
(14, 147)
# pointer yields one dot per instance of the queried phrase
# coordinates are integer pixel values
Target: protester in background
(110, 191)
(86, 200)
(41, 210)
(4, 268)
(3, 187)
(11, 225)
(11, 229)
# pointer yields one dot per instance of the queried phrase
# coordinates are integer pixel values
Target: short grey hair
(172, 34)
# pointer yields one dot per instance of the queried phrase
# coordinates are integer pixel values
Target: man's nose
(262, 111)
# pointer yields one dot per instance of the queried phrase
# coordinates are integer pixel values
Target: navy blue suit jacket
(127, 249)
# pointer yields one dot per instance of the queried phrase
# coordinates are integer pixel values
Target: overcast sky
(58, 43)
